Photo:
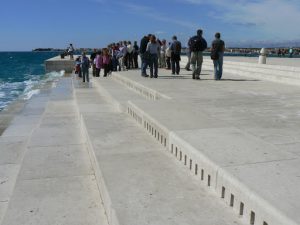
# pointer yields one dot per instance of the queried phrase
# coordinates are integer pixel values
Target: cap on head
(174, 37)
(199, 32)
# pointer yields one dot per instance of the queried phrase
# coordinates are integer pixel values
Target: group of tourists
(154, 53)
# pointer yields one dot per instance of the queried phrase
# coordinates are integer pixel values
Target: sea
(22, 75)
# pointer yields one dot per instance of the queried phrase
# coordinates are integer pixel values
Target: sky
(29, 24)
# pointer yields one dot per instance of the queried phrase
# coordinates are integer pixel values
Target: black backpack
(197, 44)
(177, 48)
(214, 54)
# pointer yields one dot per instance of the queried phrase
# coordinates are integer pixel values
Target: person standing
(130, 55)
(168, 56)
(106, 62)
(135, 55)
(85, 65)
(291, 51)
(98, 63)
(78, 66)
(93, 56)
(144, 55)
(217, 54)
(175, 55)
(71, 51)
(197, 45)
(163, 49)
(153, 47)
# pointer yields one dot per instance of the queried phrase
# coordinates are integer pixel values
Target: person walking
(175, 55)
(217, 54)
(85, 65)
(188, 64)
(144, 55)
(135, 55)
(153, 47)
(197, 45)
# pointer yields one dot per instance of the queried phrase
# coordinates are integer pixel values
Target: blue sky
(28, 24)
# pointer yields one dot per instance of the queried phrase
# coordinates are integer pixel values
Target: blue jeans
(144, 65)
(154, 65)
(85, 74)
(218, 67)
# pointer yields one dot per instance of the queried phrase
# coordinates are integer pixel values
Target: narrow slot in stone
(208, 180)
(231, 200)
(176, 151)
(241, 208)
(202, 174)
(252, 218)
(165, 142)
(172, 148)
(158, 136)
(196, 169)
(223, 192)
(180, 155)
(185, 159)
(155, 134)
(152, 131)
(161, 139)
(191, 164)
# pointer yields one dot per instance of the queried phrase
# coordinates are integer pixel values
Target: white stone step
(225, 154)
(139, 181)
(56, 183)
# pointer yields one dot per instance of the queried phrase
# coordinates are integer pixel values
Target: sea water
(22, 74)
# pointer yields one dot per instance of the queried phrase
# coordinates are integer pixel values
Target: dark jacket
(143, 45)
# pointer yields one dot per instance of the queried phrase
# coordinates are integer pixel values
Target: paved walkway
(141, 183)
(46, 175)
(247, 127)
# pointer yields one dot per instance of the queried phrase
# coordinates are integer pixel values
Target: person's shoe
(144, 75)
(197, 78)
(194, 77)
(188, 69)
(151, 76)
(173, 73)
(155, 76)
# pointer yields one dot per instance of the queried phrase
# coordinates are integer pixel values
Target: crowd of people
(154, 54)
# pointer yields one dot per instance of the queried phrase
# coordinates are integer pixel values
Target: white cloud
(156, 15)
(274, 18)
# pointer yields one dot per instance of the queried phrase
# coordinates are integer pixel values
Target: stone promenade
(128, 150)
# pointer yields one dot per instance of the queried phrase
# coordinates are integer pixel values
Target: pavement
(46, 174)
(172, 150)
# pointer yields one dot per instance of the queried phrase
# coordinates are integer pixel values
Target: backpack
(215, 49)
(85, 62)
(214, 54)
(177, 48)
(197, 44)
